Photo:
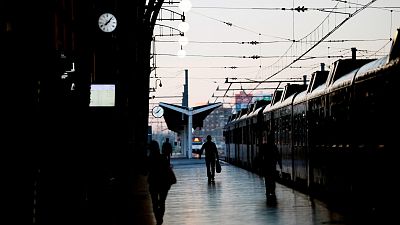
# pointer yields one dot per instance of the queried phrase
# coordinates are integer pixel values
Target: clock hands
(108, 21)
(157, 112)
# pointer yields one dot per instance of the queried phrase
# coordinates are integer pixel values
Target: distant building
(242, 100)
(213, 125)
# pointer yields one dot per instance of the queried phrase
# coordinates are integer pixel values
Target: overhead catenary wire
(323, 9)
(240, 27)
(314, 45)
(272, 42)
(323, 38)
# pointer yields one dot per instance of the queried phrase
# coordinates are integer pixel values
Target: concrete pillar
(189, 132)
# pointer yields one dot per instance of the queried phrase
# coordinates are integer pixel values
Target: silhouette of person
(270, 157)
(211, 155)
(158, 180)
(166, 149)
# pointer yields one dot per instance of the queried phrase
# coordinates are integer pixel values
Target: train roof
(261, 103)
(242, 112)
(342, 74)
(368, 69)
(237, 117)
(317, 84)
(258, 105)
(254, 115)
(292, 89)
(233, 117)
(320, 90)
(276, 98)
(267, 107)
(290, 92)
(241, 115)
(300, 97)
(360, 67)
(318, 78)
(287, 101)
(249, 110)
(344, 81)
(342, 67)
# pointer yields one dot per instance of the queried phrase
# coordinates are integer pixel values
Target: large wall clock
(107, 22)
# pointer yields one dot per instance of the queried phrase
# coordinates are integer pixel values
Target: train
(336, 135)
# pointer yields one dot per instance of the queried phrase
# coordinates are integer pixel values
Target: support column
(188, 128)
(184, 142)
(189, 132)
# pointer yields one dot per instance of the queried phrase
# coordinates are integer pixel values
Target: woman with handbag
(159, 180)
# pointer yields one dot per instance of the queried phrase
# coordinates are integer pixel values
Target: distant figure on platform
(270, 156)
(211, 155)
(167, 149)
(159, 184)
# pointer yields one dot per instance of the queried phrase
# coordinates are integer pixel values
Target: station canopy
(176, 116)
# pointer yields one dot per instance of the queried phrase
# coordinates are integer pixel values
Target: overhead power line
(256, 56)
(271, 42)
(233, 25)
(320, 40)
(291, 9)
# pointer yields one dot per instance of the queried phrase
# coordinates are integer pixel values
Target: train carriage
(337, 138)
(338, 127)
(375, 92)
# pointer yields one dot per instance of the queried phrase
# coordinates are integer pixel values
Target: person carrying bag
(218, 167)
(211, 155)
(160, 178)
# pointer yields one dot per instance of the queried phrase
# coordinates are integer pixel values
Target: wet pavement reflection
(236, 198)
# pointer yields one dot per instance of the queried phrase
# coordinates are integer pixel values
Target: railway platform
(236, 198)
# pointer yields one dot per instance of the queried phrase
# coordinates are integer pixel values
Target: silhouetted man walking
(270, 157)
(167, 149)
(211, 154)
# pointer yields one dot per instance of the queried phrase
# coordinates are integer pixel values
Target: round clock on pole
(107, 22)
(158, 111)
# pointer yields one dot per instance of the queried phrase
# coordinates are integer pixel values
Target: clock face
(107, 22)
(158, 111)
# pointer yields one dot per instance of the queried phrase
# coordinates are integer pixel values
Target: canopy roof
(176, 116)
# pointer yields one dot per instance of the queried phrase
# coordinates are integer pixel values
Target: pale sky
(218, 27)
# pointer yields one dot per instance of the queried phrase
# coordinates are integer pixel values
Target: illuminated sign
(102, 95)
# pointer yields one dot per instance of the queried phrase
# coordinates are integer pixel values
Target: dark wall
(65, 162)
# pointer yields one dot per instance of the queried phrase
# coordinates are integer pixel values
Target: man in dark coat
(166, 149)
(270, 157)
(211, 155)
